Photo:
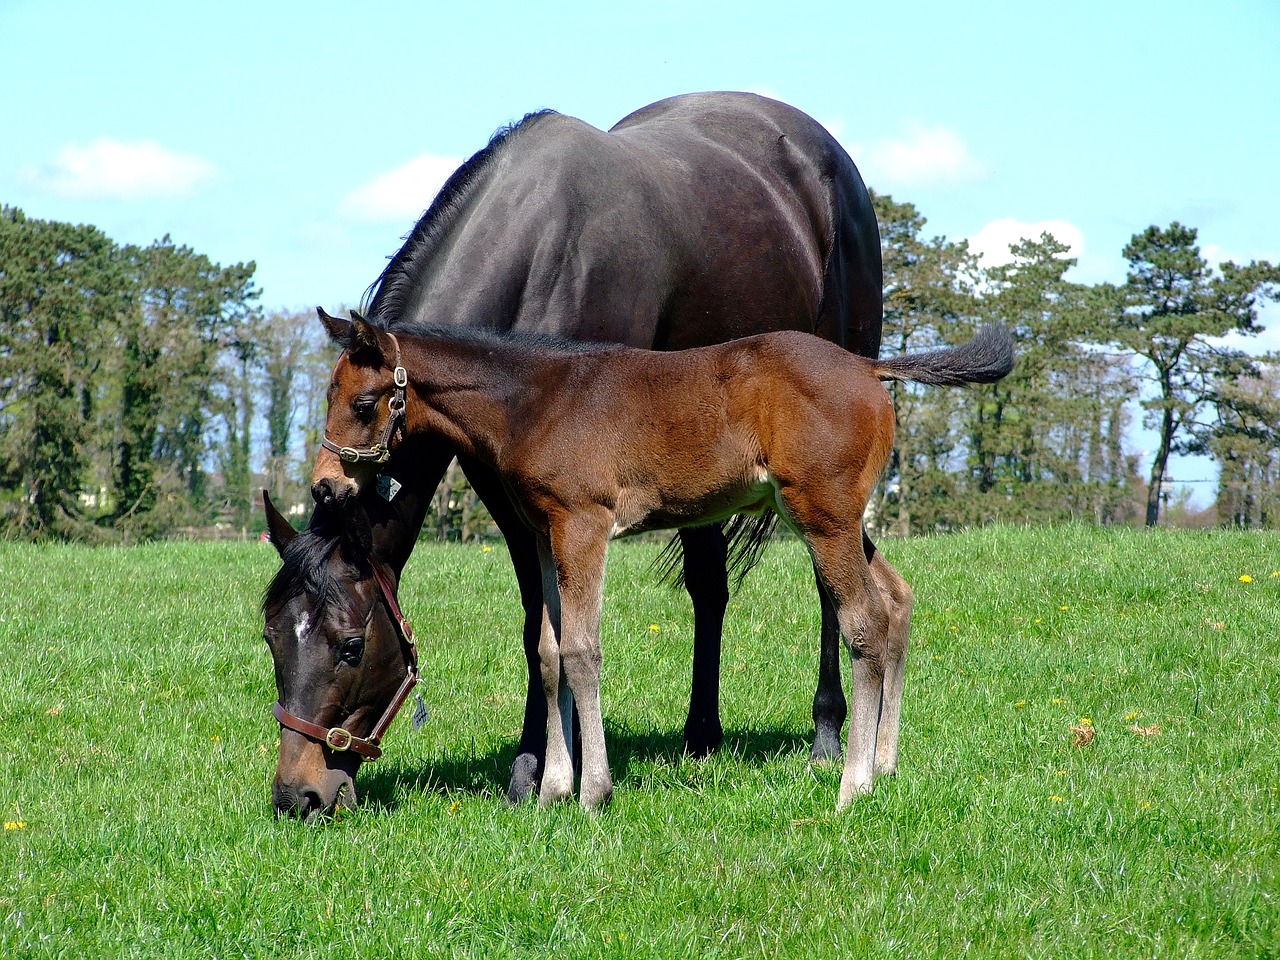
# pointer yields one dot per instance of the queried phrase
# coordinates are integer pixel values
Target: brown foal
(596, 442)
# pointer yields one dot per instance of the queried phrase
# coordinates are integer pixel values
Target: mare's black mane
(306, 566)
(383, 302)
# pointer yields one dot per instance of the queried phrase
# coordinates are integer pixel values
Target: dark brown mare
(596, 442)
(694, 221)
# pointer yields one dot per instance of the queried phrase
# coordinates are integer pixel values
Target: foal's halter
(381, 450)
(339, 738)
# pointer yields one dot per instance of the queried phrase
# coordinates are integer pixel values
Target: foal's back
(694, 435)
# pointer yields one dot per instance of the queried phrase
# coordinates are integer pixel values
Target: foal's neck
(471, 388)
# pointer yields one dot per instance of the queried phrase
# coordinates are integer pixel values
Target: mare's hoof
(702, 739)
(524, 778)
(826, 747)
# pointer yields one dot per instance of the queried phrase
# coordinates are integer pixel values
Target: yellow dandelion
(1064, 607)
(1053, 797)
(1131, 715)
(1245, 578)
(1275, 573)
(954, 627)
(1060, 773)
(455, 806)
(1086, 721)
(654, 628)
(486, 549)
(15, 824)
(1020, 704)
(1037, 620)
(1058, 701)
(215, 739)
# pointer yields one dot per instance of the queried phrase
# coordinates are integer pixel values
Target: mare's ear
(339, 330)
(364, 345)
(281, 530)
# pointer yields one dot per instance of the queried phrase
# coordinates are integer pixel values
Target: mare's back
(695, 220)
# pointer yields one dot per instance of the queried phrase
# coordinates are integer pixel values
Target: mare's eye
(351, 650)
(365, 408)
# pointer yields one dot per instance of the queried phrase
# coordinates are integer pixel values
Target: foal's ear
(363, 343)
(339, 330)
(281, 530)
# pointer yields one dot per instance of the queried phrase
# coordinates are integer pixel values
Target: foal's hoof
(524, 778)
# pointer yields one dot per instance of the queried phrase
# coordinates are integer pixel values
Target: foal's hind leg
(899, 601)
(844, 570)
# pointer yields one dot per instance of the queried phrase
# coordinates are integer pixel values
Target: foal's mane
(383, 302)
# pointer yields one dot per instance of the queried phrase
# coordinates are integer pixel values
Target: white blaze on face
(301, 627)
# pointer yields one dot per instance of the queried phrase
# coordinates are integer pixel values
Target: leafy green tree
(180, 348)
(927, 298)
(61, 291)
(1171, 312)
(1244, 439)
(1044, 443)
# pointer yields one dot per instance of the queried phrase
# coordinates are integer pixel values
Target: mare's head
(339, 660)
(366, 409)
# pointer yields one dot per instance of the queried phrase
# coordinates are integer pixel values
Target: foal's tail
(984, 359)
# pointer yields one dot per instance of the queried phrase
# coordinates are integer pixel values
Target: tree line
(145, 392)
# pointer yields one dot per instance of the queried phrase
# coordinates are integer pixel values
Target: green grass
(136, 751)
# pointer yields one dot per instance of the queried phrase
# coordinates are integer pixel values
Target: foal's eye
(351, 650)
(365, 408)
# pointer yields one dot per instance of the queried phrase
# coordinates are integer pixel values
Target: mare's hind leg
(705, 577)
(899, 601)
(829, 705)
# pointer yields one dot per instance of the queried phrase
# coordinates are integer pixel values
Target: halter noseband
(339, 738)
(381, 450)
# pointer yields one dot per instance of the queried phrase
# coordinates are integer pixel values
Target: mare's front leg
(706, 578)
(577, 547)
(526, 769)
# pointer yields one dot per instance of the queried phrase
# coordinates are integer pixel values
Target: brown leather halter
(381, 450)
(339, 738)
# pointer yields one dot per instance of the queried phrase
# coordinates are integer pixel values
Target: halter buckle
(401, 377)
(338, 738)
(349, 455)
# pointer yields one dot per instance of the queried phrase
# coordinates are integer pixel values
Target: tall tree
(61, 291)
(178, 381)
(927, 297)
(1172, 311)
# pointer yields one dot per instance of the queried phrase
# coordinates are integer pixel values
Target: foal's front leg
(577, 547)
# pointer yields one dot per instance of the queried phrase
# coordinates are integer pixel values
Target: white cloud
(993, 240)
(926, 155)
(109, 169)
(403, 193)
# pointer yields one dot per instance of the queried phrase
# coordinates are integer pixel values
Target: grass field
(136, 750)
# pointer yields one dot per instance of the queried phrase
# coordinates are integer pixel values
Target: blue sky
(309, 136)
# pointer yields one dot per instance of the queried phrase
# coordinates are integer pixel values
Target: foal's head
(338, 658)
(366, 408)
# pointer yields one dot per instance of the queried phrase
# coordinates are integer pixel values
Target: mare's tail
(984, 359)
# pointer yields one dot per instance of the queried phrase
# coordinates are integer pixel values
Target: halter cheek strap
(381, 450)
(339, 738)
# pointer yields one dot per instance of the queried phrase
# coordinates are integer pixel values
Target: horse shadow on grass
(458, 771)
